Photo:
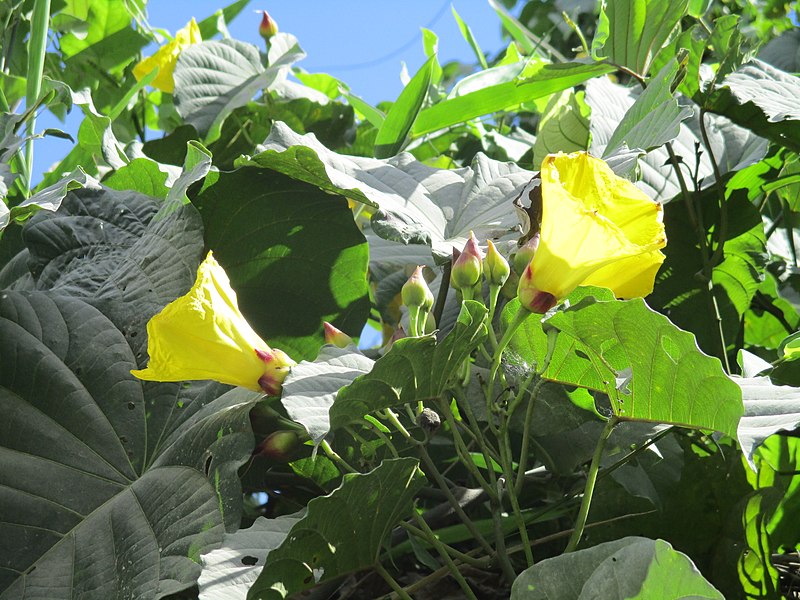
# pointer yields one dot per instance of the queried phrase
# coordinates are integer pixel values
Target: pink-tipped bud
(278, 364)
(525, 254)
(416, 293)
(468, 267)
(336, 337)
(268, 26)
(495, 266)
(532, 298)
(279, 445)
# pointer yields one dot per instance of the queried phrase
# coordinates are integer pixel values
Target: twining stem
(479, 563)
(434, 541)
(37, 47)
(588, 489)
(387, 577)
(430, 468)
(494, 293)
(526, 439)
(331, 453)
(697, 223)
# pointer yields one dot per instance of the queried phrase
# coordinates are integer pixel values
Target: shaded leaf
(413, 369)
(341, 532)
(292, 252)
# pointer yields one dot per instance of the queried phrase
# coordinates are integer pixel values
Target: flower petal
(592, 219)
(166, 58)
(203, 335)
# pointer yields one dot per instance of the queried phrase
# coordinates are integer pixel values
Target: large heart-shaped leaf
(630, 568)
(292, 252)
(341, 532)
(112, 487)
(734, 147)
(418, 204)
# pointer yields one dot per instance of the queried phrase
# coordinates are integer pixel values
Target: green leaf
(626, 569)
(414, 369)
(630, 33)
(761, 98)
(140, 175)
(467, 34)
(292, 252)
(311, 387)
(209, 26)
(108, 42)
(341, 532)
(400, 118)
(418, 204)
(783, 52)
(654, 118)
(537, 81)
(564, 126)
(650, 369)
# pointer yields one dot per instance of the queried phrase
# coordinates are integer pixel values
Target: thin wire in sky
(381, 59)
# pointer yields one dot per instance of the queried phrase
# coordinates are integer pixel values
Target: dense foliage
(533, 422)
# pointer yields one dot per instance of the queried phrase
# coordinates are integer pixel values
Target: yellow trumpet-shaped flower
(597, 229)
(203, 335)
(166, 58)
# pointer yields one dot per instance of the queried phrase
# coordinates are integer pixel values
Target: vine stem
(387, 577)
(588, 490)
(331, 453)
(434, 541)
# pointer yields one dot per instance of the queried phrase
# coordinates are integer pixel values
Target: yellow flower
(203, 335)
(167, 56)
(597, 229)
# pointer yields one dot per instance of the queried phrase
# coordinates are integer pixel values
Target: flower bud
(268, 26)
(336, 337)
(525, 254)
(468, 267)
(416, 293)
(532, 298)
(495, 266)
(278, 364)
(279, 446)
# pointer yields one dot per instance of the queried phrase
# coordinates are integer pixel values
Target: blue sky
(361, 42)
